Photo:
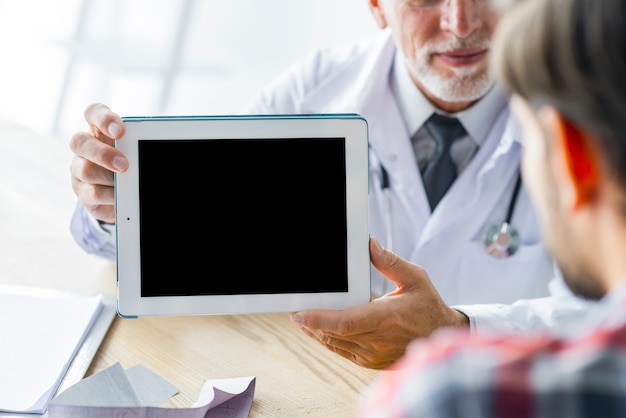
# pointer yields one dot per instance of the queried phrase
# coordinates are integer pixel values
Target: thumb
(393, 267)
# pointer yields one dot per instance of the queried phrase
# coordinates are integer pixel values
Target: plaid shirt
(455, 374)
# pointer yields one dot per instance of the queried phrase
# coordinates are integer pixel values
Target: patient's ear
(378, 13)
(574, 161)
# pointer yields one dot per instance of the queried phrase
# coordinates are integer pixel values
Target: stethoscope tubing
(385, 185)
(513, 201)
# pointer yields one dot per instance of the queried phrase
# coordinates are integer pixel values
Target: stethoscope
(501, 240)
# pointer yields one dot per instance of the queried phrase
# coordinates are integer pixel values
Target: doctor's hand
(94, 161)
(375, 335)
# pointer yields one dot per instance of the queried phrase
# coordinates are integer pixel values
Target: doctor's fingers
(400, 271)
(93, 185)
(97, 199)
(373, 353)
(104, 123)
(103, 154)
(85, 171)
(93, 193)
(355, 320)
(104, 213)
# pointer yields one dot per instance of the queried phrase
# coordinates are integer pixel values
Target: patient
(564, 63)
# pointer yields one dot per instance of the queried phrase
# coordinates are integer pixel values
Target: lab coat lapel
(480, 186)
(388, 137)
(341, 93)
(391, 142)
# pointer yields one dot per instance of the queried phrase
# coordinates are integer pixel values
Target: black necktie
(440, 171)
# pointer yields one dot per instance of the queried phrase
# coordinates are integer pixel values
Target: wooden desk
(296, 377)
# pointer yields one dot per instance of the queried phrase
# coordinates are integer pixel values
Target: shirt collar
(611, 307)
(416, 108)
(606, 313)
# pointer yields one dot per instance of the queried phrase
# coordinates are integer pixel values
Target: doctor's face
(563, 238)
(446, 45)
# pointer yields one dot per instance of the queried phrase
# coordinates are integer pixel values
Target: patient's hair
(570, 54)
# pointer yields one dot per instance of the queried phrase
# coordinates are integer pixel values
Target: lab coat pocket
(486, 279)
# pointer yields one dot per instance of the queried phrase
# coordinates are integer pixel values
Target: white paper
(40, 336)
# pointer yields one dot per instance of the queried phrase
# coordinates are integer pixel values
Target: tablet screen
(251, 216)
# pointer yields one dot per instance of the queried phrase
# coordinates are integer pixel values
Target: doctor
(431, 57)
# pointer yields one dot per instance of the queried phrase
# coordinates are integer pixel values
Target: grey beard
(456, 89)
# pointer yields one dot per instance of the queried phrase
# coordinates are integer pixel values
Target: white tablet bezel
(349, 126)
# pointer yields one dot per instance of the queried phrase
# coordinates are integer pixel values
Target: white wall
(156, 56)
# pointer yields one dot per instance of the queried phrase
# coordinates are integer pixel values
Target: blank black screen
(242, 216)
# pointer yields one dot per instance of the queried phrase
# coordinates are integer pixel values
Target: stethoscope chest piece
(501, 240)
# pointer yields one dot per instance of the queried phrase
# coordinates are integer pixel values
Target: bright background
(140, 57)
(156, 56)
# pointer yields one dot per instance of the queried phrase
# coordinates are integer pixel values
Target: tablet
(242, 214)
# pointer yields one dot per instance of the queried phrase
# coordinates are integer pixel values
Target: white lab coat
(448, 242)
